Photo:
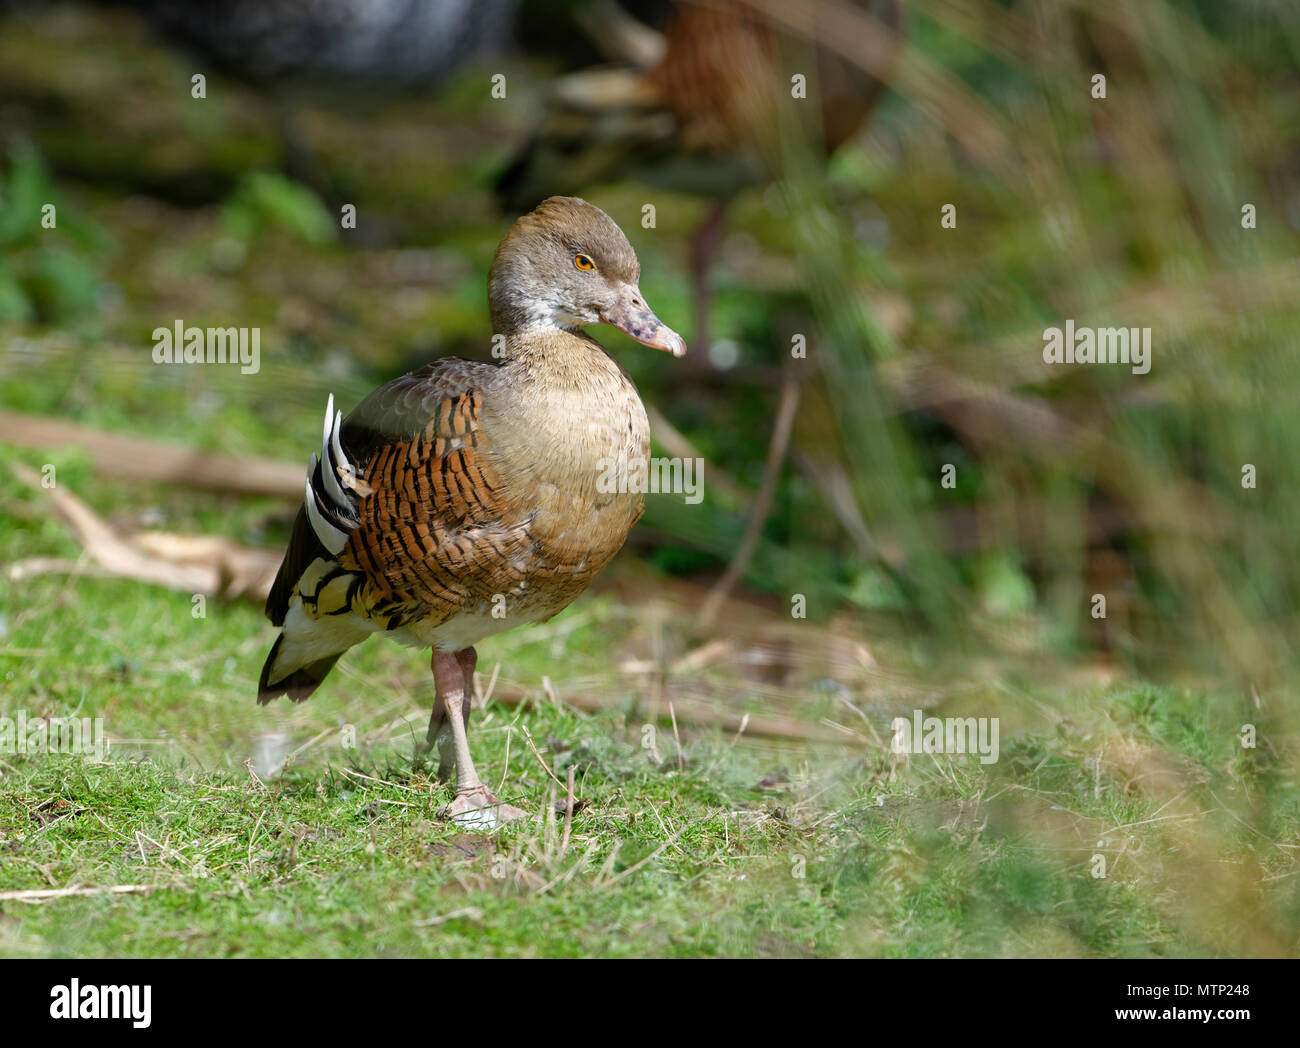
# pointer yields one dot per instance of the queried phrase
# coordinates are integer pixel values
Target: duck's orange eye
(583, 262)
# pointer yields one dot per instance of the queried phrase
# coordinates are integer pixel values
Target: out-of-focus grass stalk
(880, 457)
(1115, 212)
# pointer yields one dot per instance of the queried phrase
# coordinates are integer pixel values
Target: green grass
(749, 847)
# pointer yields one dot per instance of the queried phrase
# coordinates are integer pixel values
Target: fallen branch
(135, 458)
(42, 894)
(704, 717)
(204, 564)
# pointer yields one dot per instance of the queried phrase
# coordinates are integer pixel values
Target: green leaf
(265, 200)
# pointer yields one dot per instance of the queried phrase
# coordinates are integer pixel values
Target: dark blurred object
(300, 87)
(547, 27)
(407, 43)
(343, 55)
(692, 109)
(700, 108)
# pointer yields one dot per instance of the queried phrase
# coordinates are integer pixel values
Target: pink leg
(439, 733)
(475, 805)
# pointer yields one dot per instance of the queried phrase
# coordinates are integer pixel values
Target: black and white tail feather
(313, 636)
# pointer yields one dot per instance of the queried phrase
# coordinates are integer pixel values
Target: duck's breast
(569, 454)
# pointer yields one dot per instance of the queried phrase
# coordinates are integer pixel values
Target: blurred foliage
(266, 199)
(46, 277)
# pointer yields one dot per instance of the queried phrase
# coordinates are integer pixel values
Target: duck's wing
(398, 507)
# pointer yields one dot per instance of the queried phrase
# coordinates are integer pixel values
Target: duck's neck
(562, 356)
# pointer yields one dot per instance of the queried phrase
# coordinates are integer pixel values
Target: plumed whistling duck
(470, 497)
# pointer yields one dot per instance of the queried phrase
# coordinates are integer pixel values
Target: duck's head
(565, 265)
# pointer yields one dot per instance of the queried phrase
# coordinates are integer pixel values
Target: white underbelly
(466, 628)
